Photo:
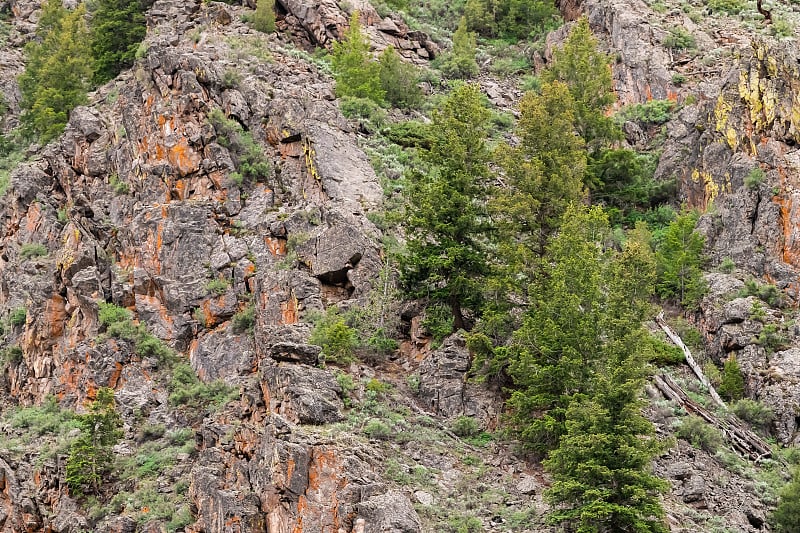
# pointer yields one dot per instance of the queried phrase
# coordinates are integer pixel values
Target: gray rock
(389, 513)
(442, 377)
(302, 393)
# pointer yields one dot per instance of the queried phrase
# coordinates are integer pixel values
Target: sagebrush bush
(701, 434)
(754, 413)
(465, 426)
(31, 250)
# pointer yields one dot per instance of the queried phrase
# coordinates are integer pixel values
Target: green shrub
(652, 112)
(731, 7)
(47, 418)
(10, 355)
(465, 524)
(356, 73)
(150, 432)
(754, 413)
(399, 80)
(231, 78)
(376, 429)
(30, 250)
(465, 426)
(757, 312)
(248, 156)
(377, 386)
(460, 62)
(18, 316)
(91, 456)
(217, 286)
(698, 432)
(117, 322)
(119, 186)
(337, 340)
(678, 79)
(781, 27)
(727, 265)
(244, 320)
(345, 382)
(771, 339)
(786, 517)
(679, 39)
(664, 353)
(187, 390)
(767, 293)
(754, 179)
(732, 386)
(438, 322)
(354, 107)
(264, 17)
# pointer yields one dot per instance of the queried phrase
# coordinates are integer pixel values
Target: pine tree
(786, 517)
(399, 80)
(264, 18)
(587, 73)
(357, 75)
(446, 219)
(57, 70)
(543, 173)
(554, 353)
(596, 363)
(90, 456)
(679, 258)
(117, 28)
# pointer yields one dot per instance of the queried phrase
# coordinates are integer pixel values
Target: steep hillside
(182, 237)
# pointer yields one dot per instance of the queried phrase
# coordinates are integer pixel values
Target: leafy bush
(30, 250)
(771, 339)
(652, 112)
(248, 156)
(244, 320)
(732, 386)
(217, 286)
(399, 80)
(702, 435)
(410, 134)
(186, 389)
(10, 355)
(460, 62)
(731, 7)
(679, 39)
(364, 108)
(727, 265)
(376, 429)
(264, 17)
(356, 73)
(377, 386)
(465, 426)
(767, 293)
(337, 340)
(754, 413)
(754, 179)
(18, 316)
(438, 322)
(664, 353)
(47, 418)
(117, 322)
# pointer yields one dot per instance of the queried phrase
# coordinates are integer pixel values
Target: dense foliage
(117, 28)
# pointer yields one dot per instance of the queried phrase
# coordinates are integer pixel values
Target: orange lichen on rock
(55, 315)
(184, 158)
(289, 314)
(276, 245)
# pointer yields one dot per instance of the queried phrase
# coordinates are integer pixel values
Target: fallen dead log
(690, 360)
(740, 437)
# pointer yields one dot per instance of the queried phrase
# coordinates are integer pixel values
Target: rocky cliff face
(143, 203)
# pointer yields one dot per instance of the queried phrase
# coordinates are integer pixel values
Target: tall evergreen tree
(679, 258)
(57, 70)
(117, 28)
(357, 75)
(786, 517)
(554, 353)
(90, 456)
(587, 73)
(446, 219)
(543, 173)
